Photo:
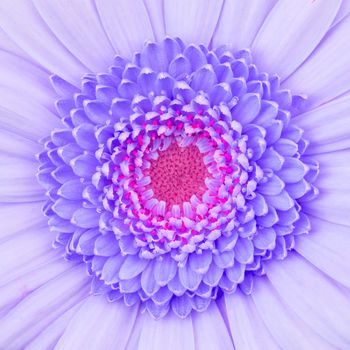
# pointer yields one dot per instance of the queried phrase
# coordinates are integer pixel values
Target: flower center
(177, 174)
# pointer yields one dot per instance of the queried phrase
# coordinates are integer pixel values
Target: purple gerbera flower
(191, 161)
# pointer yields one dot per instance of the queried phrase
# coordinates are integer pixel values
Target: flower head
(192, 175)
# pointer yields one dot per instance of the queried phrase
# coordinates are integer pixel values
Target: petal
(324, 75)
(65, 208)
(200, 262)
(244, 250)
(316, 125)
(344, 10)
(16, 289)
(72, 189)
(20, 217)
(213, 275)
(165, 270)
(99, 325)
(18, 182)
(265, 238)
(97, 111)
(181, 306)
(330, 205)
(41, 307)
(222, 261)
(85, 217)
(281, 201)
(293, 170)
(31, 245)
(189, 279)
(26, 79)
(193, 21)
(110, 271)
(49, 337)
(236, 272)
(327, 247)
(171, 333)
(136, 332)
(68, 21)
(204, 78)
(273, 186)
(39, 42)
(333, 176)
(320, 303)
(247, 109)
(332, 159)
(16, 115)
(18, 146)
(132, 266)
(148, 282)
(210, 329)
(289, 331)
(84, 135)
(86, 242)
(291, 19)
(8, 45)
(268, 219)
(106, 245)
(247, 326)
(84, 165)
(155, 12)
(126, 23)
(241, 17)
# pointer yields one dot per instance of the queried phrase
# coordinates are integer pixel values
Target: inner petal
(177, 174)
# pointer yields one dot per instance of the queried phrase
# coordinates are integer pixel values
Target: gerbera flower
(189, 162)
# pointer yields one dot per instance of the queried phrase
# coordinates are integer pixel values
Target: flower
(193, 157)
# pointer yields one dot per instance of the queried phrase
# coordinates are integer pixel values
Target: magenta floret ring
(175, 176)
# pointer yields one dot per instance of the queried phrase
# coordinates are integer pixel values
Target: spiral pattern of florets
(98, 170)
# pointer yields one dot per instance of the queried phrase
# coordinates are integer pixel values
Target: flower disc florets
(176, 175)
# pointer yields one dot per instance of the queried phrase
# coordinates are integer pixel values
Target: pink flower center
(177, 174)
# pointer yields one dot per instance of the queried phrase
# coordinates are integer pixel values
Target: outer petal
(27, 79)
(16, 289)
(48, 338)
(17, 146)
(30, 216)
(18, 182)
(193, 21)
(32, 247)
(78, 27)
(126, 23)
(39, 42)
(99, 325)
(16, 115)
(282, 53)
(41, 308)
(344, 10)
(210, 330)
(247, 327)
(327, 247)
(327, 127)
(287, 328)
(334, 171)
(136, 333)
(240, 21)
(8, 45)
(324, 75)
(332, 205)
(171, 333)
(156, 16)
(313, 297)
